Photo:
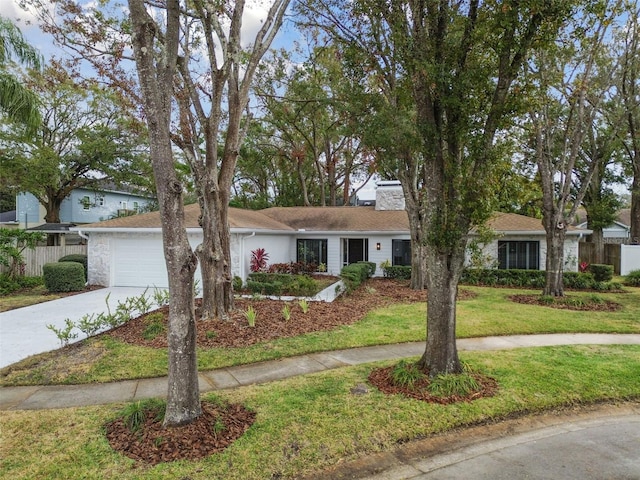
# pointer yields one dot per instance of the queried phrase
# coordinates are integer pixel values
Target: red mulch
(582, 304)
(216, 429)
(270, 324)
(154, 444)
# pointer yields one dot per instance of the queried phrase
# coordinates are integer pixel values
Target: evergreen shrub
(78, 258)
(63, 276)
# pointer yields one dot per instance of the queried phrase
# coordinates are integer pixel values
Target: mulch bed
(381, 378)
(581, 304)
(216, 429)
(153, 444)
(270, 324)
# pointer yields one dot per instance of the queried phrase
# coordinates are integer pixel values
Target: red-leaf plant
(259, 258)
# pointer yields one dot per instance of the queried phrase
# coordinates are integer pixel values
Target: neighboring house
(8, 219)
(83, 205)
(616, 232)
(128, 251)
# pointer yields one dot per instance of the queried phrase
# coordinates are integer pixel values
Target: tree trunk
(217, 298)
(418, 251)
(441, 353)
(52, 210)
(414, 206)
(635, 203)
(554, 285)
(597, 239)
(156, 80)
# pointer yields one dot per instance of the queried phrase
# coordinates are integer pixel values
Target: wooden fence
(611, 254)
(35, 259)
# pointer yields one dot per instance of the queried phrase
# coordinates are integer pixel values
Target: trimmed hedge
(355, 273)
(63, 276)
(400, 272)
(271, 288)
(532, 279)
(264, 277)
(277, 283)
(78, 258)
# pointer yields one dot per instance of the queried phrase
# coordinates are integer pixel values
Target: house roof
(8, 217)
(623, 217)
(53, 227)
(340, 219)
(316, 219)
(238, 218)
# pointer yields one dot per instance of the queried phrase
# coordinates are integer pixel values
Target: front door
(354, 250)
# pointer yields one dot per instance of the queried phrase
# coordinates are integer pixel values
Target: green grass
(25, 297)
(311, 422)
(489, 313)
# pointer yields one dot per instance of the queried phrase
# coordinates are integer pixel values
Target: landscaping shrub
(237, 283)
(304, 286)
(263, 277)
(354, 274)
(632, 279)
(9, 284)
(400, 272)
(601, 273)
(63, 277)
(578, 281)
(294, 268)
(527, 279)
(371, 267)
(272, 288)
(78, 258)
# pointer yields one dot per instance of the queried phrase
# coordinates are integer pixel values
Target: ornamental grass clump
(250, 314)
(407, 374)
(453, 385)
(134, 414)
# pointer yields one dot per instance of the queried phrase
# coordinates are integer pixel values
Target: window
(136, 207)
(401, 252)
(312, 251)
(86, 202)
(521, 255)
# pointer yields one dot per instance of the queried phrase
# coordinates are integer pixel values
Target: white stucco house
(128, 251)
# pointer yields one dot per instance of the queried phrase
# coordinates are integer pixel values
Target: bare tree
(568, 100)
(629, 88)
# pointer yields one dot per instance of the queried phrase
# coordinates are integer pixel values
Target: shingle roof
(339, 219)
(238, 218)
(512, 222)
(315, 219)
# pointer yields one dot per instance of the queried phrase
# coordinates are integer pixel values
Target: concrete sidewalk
(62, 396)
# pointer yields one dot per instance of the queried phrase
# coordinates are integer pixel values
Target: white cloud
(24, 19)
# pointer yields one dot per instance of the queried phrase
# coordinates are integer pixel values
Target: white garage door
(139, 262)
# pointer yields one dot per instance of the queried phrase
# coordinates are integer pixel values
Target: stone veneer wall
(389, 196)
(99, 260)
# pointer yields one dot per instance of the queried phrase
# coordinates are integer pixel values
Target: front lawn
(308, 423)
(25, 297)
(377, 313)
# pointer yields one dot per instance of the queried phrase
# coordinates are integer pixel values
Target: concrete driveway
(24, 332)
